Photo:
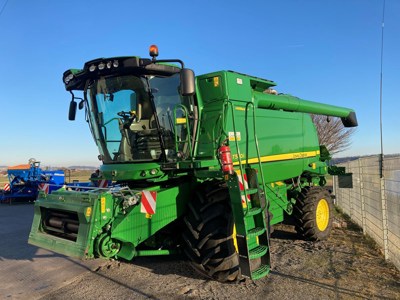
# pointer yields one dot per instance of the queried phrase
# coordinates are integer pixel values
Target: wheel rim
(108, 247)
(322, 214)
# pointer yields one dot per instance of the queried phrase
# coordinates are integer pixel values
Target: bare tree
(332, 133)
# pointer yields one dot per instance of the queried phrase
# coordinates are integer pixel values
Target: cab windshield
(134, 118)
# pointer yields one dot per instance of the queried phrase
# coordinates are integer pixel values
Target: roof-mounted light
(101, 66)
(68, 78)
(153, 51)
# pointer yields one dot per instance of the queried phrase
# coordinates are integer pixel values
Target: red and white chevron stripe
(7, 187)
(45, 187)
(148, 205)
(242, 187)
(102, 183)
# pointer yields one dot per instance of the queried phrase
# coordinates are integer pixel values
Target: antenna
(380, 92)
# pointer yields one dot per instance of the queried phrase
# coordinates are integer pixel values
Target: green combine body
(202, 165)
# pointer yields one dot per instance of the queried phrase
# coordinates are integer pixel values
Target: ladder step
(249, 191)
(260, 272)
(255, 232)
(253, 211)
(258, 252)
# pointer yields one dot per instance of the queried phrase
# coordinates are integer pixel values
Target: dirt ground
(346, 266)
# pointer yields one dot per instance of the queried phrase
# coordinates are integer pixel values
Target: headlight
(68, 78)
(92, 68)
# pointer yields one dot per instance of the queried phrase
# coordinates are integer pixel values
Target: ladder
(250, 209)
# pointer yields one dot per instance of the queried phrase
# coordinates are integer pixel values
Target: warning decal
(232, 136)
(244, 186)
(148, 202)
(102, 183)
(45, 187)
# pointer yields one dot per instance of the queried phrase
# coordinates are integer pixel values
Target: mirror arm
(72, 108)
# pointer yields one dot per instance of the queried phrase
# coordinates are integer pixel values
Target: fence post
(384, 218)
(363, 213)
(334, 190)
(349, 192)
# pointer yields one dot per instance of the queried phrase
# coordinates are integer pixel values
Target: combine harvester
(25, 182)
(202, 164)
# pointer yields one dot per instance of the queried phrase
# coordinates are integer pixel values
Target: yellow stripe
(103, 204)
(180, 121)
(278, 157)
(240, 108)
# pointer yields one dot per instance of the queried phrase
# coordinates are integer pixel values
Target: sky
(327, 51)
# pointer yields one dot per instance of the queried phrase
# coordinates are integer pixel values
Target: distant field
(3, 180)
(81, 175)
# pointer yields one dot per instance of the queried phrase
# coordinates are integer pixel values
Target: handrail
(188, 139)
(257, 149)
(259, 162)
(238, 153)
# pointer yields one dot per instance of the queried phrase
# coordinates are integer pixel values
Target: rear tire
(209, 237)
(313, 213)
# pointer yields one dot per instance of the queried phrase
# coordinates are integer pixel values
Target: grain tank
(202, 165)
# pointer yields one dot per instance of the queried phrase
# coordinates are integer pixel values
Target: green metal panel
(137, 171)
(210, 130)
(288, 141)
(230, 85)
(211, 88)
(279, 203)
(134, 227)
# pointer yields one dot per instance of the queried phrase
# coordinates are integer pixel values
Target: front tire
(313, 213)
(209, 234)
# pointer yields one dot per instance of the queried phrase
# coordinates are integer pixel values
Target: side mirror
(187, 82)
(72, 110)
(81, 104)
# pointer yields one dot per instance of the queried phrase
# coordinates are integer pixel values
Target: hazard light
(153, 51)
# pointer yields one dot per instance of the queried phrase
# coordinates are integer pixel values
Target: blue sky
(326, 51)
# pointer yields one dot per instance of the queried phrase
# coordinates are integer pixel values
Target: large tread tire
(313, 213)
(208, 237)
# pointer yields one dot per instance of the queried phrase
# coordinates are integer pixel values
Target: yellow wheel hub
(322, 214)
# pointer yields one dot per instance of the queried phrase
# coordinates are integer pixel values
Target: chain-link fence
(372, 201)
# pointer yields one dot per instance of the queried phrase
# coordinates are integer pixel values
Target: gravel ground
(346, 266)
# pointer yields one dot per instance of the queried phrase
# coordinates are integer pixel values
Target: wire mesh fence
(373, 201)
